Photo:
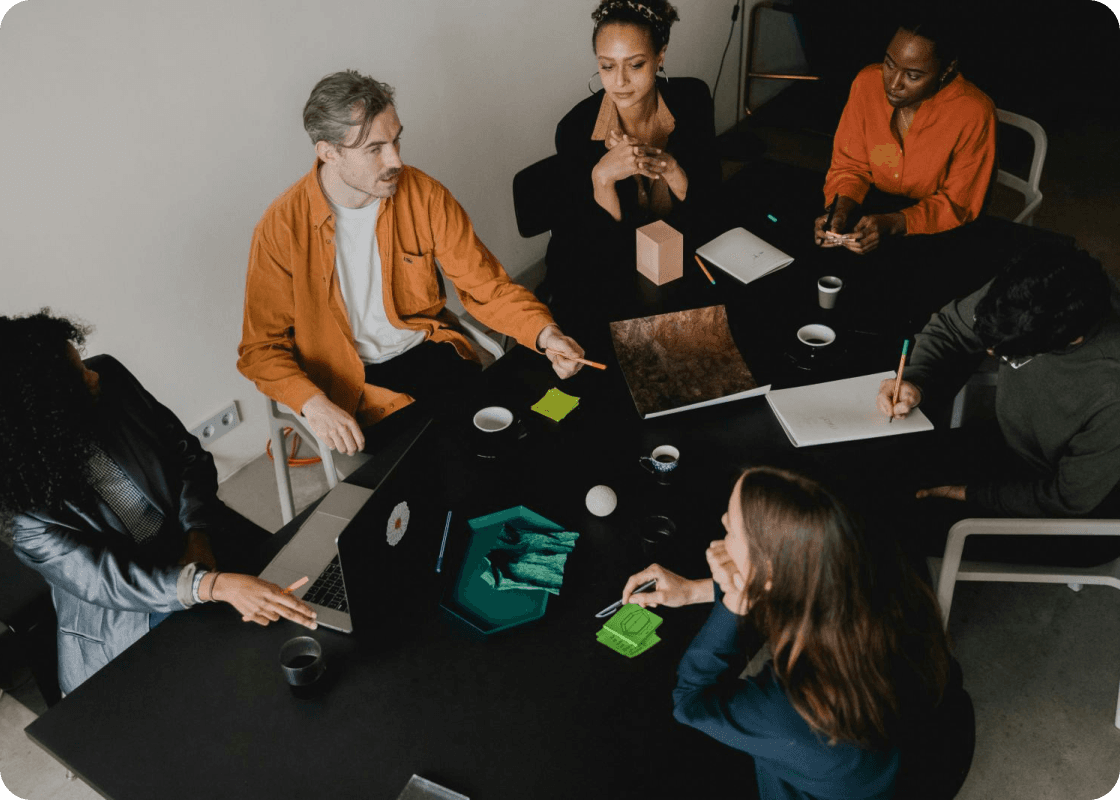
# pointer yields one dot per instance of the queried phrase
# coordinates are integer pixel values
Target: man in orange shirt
(345, 319)
(913, 127)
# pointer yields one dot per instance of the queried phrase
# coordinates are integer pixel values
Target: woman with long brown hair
(860, 674)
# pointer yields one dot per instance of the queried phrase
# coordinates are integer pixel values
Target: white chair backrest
(1029, 187)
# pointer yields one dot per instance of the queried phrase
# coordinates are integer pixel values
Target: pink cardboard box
(660, 252)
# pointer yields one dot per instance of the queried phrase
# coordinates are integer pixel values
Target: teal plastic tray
(476, 602)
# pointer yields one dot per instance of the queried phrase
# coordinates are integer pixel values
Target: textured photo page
(679, 361)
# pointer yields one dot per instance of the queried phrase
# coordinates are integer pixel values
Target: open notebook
(839, 411)
(743, 255)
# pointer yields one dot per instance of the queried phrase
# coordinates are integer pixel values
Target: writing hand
(260, 601)
(909, 396)
(551, 338)
(672, 590)
(338, 429)
(831, 237)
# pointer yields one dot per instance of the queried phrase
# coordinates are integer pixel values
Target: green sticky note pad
(555, 404)
(623, 647)
(632, 623)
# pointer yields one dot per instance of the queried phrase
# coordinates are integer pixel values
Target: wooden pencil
(898, 379)
(583, 361)
(708, 274)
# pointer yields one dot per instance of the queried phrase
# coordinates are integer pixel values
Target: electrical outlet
(218, 425)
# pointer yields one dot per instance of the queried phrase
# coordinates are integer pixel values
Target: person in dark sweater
(861, 698)
(640, 149)
(1050, 317)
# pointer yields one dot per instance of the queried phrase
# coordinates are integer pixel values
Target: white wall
(142, 140)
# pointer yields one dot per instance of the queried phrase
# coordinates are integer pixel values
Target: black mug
(303, 664)
(656, 532)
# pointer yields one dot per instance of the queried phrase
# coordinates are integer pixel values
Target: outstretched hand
(561, 351)
(260, 601)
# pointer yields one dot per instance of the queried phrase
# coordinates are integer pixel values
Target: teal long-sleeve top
(755, 716)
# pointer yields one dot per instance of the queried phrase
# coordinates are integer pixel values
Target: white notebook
(839, 411)
(743, 255)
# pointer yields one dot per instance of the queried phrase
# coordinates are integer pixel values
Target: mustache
(389, 175)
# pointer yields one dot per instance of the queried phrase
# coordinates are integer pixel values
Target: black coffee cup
(656, 532)
(303, 664)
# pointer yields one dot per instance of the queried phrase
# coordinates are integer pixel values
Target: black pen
(831, 212)
(615, 606)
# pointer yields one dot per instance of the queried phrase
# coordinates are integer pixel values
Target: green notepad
(555, 404)
(626, 649)
(631, 630)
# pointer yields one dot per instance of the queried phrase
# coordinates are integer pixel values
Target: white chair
(1029, 187)
(949, 569)
(280, 417)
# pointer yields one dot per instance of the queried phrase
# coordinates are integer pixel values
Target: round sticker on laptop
(398, 523)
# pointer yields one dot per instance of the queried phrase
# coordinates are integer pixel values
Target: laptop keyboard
(328, 590)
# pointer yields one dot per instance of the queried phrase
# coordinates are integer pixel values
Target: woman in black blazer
(107, 495)
(640, 149)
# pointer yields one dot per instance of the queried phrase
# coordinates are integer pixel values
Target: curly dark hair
(46, 415)
(656, 16)
(1044, 298)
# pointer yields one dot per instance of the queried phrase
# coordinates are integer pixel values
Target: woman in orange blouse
(914, 127)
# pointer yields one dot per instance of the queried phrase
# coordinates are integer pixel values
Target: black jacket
(585, 239)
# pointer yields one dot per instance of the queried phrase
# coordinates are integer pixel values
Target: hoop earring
(596, 75)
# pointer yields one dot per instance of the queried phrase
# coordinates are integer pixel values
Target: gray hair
(342, 100)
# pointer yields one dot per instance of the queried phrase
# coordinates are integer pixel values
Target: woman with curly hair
(107, 495)
(860, 689)
(640, 149)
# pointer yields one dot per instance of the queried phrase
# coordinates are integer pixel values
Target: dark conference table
(199, 708)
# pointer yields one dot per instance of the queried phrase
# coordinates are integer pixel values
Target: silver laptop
(314, 551)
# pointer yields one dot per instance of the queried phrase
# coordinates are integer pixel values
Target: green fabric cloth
(525, 557)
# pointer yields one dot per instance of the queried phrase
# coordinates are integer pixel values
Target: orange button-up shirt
(296, 339)
(945, 162)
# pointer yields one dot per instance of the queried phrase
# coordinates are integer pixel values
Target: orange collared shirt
(296, 339)
(945, 161)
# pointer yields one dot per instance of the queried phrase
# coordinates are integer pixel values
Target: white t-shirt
(358, 263)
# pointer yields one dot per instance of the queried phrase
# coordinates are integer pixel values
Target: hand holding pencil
(563, 351)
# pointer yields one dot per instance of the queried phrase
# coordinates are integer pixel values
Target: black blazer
(103, 584)
(585, 238)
